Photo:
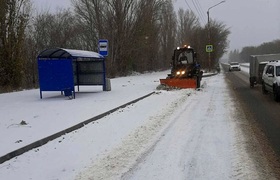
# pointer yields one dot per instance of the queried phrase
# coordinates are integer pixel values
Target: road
(262, 113)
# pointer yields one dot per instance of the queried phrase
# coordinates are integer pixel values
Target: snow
(54, 112)
(82, 53)
(178, 134)
(245, 67)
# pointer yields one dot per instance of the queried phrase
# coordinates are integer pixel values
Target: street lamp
(209, 34)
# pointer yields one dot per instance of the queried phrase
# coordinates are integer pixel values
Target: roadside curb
(65, 131)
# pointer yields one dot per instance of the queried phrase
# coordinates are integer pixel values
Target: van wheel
(264, 91)
(251, 85)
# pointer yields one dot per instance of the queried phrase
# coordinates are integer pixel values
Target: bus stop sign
(103, 47)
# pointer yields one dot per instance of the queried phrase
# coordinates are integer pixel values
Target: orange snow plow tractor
(185, 69)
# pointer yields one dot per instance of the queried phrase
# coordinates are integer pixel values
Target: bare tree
(152, 19)
(219, 40)
(91, 18)
(188, 23)
(108, 19)
(133, 28)
(14, 17)
(120, 23)
(56, 30)
(168, 32)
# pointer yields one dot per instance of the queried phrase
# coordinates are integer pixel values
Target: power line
(202, 12)
(198, 11)
(188, 5)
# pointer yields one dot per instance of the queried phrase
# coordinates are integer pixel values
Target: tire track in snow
(209, 147)
(187, 151)
(209, 158)
(136, 145)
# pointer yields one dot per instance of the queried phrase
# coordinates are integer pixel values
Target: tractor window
(190, 57)
(186, 57)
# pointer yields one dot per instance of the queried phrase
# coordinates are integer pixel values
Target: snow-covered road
(194, 137)
(179, 134)
(198, 143)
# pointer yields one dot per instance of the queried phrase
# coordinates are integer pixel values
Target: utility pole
(209, 35)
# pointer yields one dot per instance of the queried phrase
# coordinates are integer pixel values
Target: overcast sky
(251, 22)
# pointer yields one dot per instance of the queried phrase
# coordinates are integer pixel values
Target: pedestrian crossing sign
(209, 48)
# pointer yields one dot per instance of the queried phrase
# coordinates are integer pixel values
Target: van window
(277, 70)
(269, 69)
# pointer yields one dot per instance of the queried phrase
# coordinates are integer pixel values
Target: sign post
(103, 47)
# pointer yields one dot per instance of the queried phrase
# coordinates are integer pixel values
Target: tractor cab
(184, 63)
(184, 56)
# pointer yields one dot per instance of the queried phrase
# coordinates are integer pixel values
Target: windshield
(185, 57)
(234, 63)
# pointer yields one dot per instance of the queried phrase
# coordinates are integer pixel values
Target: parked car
(271, 79)
(257, 64)
(234, 66)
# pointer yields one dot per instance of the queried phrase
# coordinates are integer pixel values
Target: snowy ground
(54, 112)
(182, 134)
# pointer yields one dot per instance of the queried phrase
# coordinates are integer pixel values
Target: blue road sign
(103, 47)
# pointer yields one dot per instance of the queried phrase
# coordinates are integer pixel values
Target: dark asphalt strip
(63, 132)
(261, 109)
(262, 121)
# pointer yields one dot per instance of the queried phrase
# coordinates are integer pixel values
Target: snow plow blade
(180, 83)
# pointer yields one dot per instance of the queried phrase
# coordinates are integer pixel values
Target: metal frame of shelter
(63, 69)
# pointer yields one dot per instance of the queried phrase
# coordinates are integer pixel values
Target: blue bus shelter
(63, 69)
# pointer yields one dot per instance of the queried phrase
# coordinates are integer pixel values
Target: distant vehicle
(234, 66)
(271, 79)
(257, 64)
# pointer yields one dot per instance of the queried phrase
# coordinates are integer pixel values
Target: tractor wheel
(198, 80)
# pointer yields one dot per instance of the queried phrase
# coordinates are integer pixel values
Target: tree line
(142, 35)
(272, 47)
